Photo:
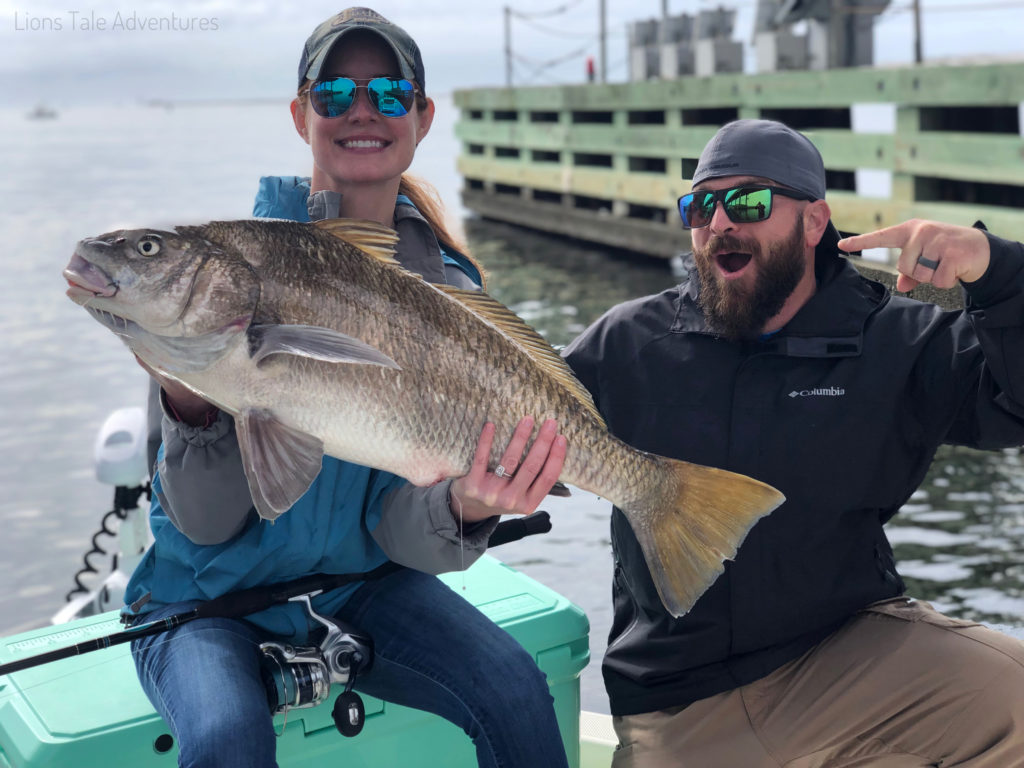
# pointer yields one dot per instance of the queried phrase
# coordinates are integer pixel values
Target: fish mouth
(87, 281)
(732, 263)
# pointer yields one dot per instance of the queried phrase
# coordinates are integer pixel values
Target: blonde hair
(421, 193)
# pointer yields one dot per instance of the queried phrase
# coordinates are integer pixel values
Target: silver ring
(500, 471)
(928, 263)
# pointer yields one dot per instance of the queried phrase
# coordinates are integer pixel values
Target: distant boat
(42, 112)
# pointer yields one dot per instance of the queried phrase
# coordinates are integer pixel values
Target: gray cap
(771, 150)
(764, 148)
(319, 44)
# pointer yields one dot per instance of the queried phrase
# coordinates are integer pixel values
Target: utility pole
(603, 36)
(508, 47)
(836, 52)
(918, 57)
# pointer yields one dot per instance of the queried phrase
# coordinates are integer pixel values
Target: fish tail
(693, 519)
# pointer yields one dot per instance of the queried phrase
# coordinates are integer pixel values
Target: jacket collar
(289, 197)
(830, 324)
(418, 250)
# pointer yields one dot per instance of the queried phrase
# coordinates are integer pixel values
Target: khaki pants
(899, 686)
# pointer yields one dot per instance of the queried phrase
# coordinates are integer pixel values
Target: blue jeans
(432, 651)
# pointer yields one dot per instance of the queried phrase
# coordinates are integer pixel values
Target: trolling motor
(119, 458)
(296, 678)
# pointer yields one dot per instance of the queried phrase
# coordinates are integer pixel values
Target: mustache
(726, 244)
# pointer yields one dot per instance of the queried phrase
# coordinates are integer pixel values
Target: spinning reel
(301, 677)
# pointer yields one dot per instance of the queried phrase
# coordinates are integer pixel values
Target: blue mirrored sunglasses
(333, 96)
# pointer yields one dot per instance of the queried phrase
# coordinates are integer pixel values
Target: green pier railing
(606, 162)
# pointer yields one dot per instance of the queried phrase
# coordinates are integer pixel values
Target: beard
(740, 312)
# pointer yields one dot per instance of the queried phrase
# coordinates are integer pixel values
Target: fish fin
(368, 236)
(559, 489)
(314, 342)
(699, 518)
(535, 345)
(280, 462)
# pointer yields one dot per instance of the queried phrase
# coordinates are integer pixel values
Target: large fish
(317, 341)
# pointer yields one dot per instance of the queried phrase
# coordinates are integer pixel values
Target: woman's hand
(189, 407)
(511, 489)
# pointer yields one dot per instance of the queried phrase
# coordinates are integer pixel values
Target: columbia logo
(819, 392)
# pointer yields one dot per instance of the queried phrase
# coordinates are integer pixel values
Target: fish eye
(148, 245)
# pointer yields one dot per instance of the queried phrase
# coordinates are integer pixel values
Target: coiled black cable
(125, 499)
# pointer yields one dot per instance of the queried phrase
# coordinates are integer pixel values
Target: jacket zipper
(620, 578)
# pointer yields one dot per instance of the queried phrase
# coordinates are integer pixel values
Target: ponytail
(426, 200)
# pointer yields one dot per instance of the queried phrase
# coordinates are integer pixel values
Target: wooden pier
(606, 162)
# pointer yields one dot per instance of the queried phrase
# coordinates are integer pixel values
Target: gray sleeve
(154, 425)
(205, 493)
(418, 530)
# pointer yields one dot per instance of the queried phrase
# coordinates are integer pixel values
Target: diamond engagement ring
(500, 471)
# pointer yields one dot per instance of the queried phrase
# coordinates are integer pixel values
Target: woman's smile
(362, 143)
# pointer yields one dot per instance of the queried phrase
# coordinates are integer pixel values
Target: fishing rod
(235, 605)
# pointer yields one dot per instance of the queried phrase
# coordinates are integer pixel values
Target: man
(777, 360)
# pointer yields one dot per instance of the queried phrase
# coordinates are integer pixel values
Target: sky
(64, 53)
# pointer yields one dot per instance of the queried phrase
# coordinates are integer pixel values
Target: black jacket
(842, 411)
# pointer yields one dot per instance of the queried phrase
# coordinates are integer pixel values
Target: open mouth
(732, 263)
(86, 280)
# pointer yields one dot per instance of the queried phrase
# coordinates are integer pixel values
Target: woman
(362, 109)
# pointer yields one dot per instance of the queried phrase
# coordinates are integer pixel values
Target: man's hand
(512, 488)
(931, 252)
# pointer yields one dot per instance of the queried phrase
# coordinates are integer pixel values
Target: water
(96, 169)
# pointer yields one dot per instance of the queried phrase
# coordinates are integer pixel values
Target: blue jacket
(327, 531)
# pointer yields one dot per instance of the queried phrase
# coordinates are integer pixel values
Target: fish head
(151, 286)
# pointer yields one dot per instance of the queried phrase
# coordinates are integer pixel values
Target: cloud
(146, 49)
(209, 49)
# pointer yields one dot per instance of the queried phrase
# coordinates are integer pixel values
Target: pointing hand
(931, 252)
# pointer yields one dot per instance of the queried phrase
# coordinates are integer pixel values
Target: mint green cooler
(90, 710)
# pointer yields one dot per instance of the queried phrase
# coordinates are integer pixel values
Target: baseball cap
(769, 149)
(318, 45)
